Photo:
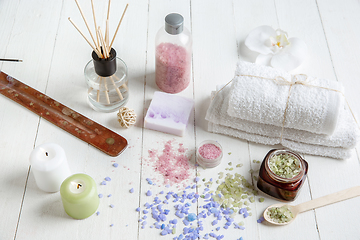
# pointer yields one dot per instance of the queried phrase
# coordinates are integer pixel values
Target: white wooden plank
(343, 44)
(19, 126)
(266, 14)
(215, 56)
(67, 85)
(8, 11)
(317, 64)
(219, 31)
(339, 20)
(156, 140)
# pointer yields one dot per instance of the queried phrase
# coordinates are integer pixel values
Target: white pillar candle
(49, 166)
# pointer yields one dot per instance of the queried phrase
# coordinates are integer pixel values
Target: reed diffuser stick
(116, 88)
(104, 48)
(97, 52)
(112, 41)
(107, 34)
(122, 86)
(106, 91)
(91, 88)
(86, 23)
(97, 35)
(98, 91)
(107, 25)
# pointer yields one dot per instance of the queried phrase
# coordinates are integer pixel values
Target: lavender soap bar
(168, 113)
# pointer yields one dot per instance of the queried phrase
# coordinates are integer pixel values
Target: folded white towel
(310, 108)
(346, 133)
(333, 152)
(337, 145)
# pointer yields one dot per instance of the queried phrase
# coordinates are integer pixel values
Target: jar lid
(174, 23)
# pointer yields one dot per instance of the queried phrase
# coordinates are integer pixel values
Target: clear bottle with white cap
(173, 44)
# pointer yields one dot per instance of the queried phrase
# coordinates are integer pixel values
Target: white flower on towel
(275, 48)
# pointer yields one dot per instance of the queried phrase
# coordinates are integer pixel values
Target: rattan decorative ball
(126, 117)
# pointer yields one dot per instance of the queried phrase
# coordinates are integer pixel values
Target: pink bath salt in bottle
(173, 47)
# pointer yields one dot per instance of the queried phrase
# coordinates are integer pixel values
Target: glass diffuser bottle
(107, 82)
(173, 45)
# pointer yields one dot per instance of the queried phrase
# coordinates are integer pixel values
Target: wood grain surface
(54, 55)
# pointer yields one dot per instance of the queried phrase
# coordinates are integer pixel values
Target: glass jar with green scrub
(282, 173)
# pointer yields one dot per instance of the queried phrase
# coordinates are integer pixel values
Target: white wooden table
(54, 56)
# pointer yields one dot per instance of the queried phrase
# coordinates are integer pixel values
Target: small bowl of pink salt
(209, 154)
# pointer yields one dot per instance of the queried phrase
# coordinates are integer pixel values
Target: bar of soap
(168, 113)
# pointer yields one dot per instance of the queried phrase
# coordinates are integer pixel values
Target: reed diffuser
(105, 74)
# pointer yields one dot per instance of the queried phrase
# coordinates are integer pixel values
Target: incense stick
(112, 41)
(97, 52)
(10, 60)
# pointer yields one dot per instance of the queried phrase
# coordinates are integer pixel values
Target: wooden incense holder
(69, 120)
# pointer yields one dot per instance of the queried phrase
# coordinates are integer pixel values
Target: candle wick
(46, 153)
(78, 186)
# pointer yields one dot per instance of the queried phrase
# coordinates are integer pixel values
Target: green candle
(79, 196)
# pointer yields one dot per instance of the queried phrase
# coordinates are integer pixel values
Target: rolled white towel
(255, 97)
(346, 134)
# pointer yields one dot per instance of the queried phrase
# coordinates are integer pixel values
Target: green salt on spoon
(283, 214)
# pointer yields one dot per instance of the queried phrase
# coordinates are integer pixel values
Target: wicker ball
(126, 117)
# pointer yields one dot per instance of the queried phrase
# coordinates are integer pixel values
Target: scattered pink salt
(209, 151)
(172, 164)
(181, 148)
(152, 153)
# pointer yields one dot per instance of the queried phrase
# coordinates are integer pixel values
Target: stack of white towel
(253, 106)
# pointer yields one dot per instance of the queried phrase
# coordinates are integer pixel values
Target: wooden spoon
(316, 203)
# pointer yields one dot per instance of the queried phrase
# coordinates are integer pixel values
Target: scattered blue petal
(191, 217)
(260, 220)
